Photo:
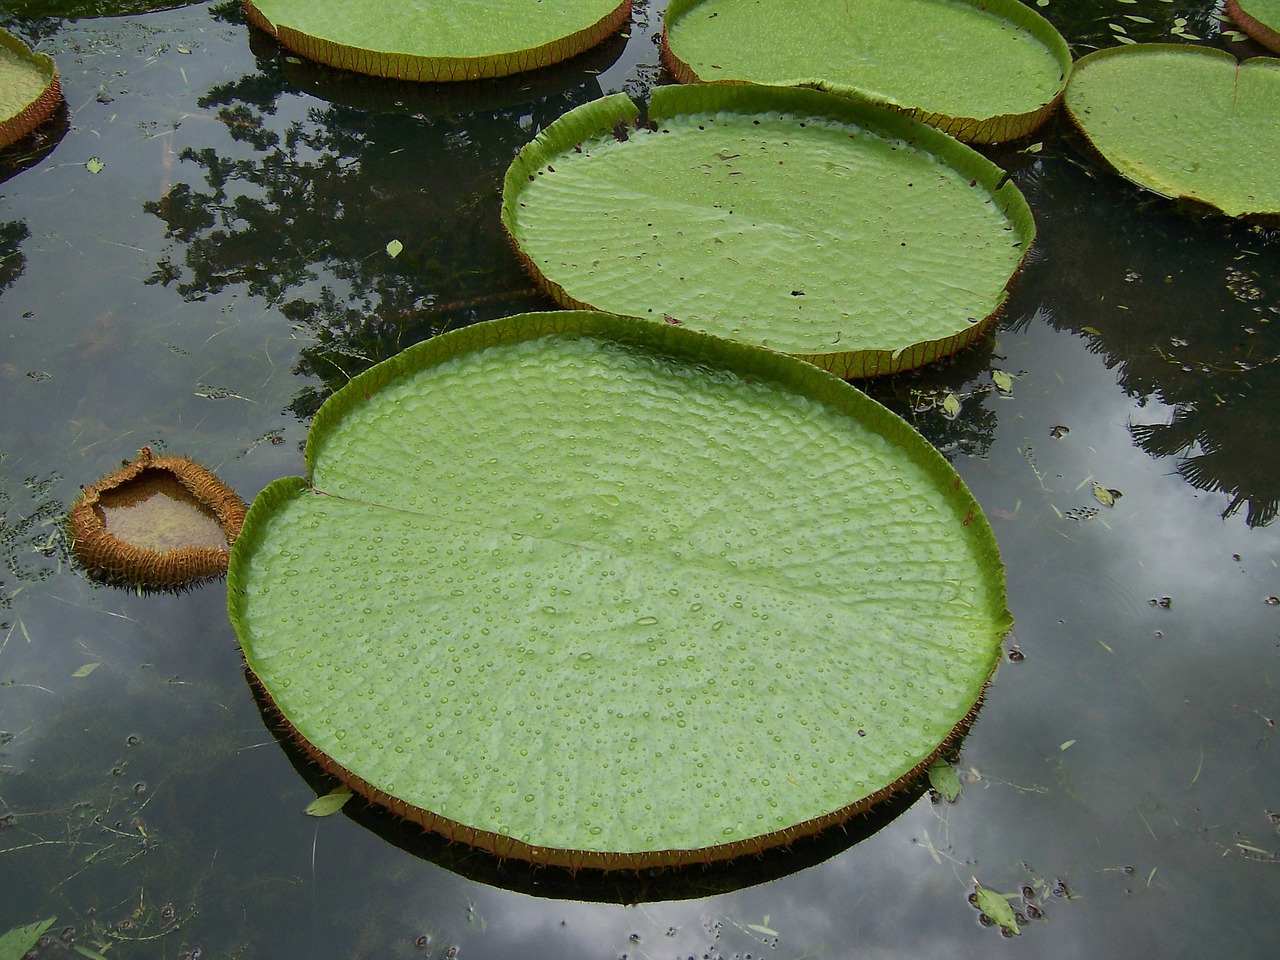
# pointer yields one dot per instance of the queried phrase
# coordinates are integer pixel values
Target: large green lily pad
(430, 40)
(828, 228)
(594, 591)
(29, 88)
(1186, 122)
(1260, 19)
(982, 70)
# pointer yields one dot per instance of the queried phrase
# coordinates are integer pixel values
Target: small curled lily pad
(593, 591)
(1260, 19)
(832, 229)
(1186, 122)
(982, 71)
(432, 41)
(29, 88)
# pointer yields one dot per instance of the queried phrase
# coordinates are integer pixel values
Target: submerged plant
(593, 591)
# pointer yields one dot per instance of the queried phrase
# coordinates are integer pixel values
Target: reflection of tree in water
(302, 216)
(12, 261)
(1188, 310)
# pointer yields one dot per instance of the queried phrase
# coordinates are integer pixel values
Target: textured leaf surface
(838, 231)
(983, 72)
(599, 595)
(1186, 122)
(995, 906)
(429, 40)
(29, 88)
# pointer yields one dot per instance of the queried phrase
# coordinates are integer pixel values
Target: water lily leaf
(95, 165)
(394, 249)
(439, 41)
(330, 803)
(841, 232)
(1185, 122)
(942, 777)
(596, 591)
(1260, 19)
(1002, 380)
(951, 405)
(983, 72)
(15, 943)
(995, 906)
(29, 88)
(1103, 495)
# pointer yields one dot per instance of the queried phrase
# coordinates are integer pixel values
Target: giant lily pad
(1260, 19)
(429, 40)
(982, 70)
(1186, 122)
(593, 591)
(827, 228)
(29, 88)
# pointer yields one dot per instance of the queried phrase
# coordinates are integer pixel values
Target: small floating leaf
(1103, 495)
(1002, 380)
(95, 165)
(1066, 744)
(87, 669)
(15, 943)
(394, 248)
(995, 906)
(942, 777)
(86, 952)
(951, 405)
(330, 803)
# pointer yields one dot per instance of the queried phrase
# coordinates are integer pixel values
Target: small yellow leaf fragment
(951, 405)
(1104, 496)
(330, 803)
(87, 669)
(394, 248)
(1066, 745)
(95, 165)
(1002, 380)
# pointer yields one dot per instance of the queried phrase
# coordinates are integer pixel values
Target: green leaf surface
(15, 943)
(943, 779)
(1260, 19)
(590, 590)
(982, 71)
(330, 803)
(838, 231)
(995, 906)
(1186, 122)
(29, 88)
(429, 40)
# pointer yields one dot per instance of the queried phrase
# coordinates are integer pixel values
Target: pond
(225, 269)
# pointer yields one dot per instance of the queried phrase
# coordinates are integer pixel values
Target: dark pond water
(225, 271)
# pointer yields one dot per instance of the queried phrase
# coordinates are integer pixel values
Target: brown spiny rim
(33, 114)
(106, 555)
(504, 847)
(999, 129)
(1254, 27)
(403, 66)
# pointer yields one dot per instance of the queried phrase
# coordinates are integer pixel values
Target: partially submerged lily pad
(1186, 122)
(831, 229)
(982, 71)
(1260, 19)
(439, 41)
(159, 522)
(593, 591)
(29, 88)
